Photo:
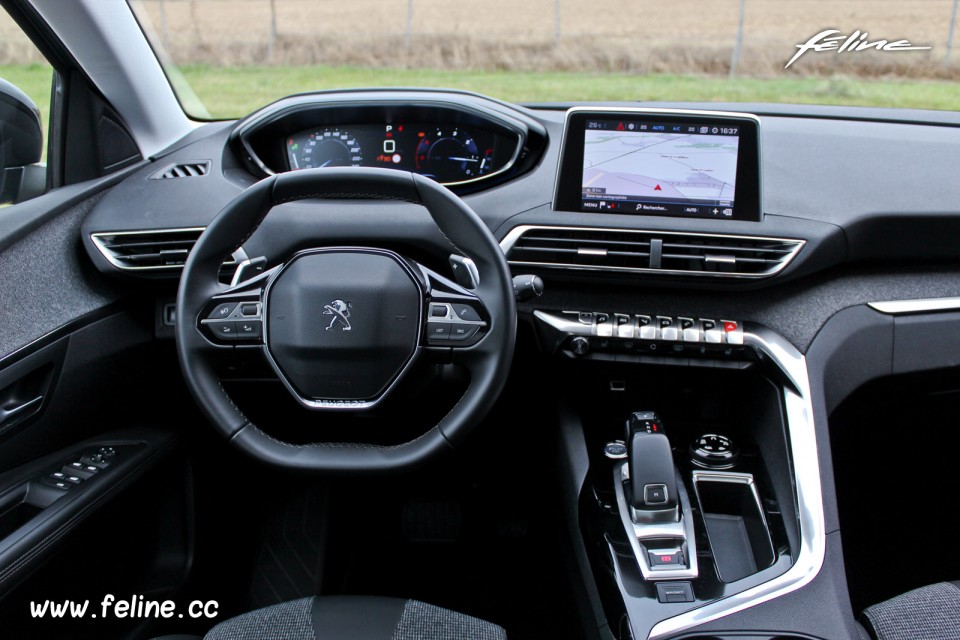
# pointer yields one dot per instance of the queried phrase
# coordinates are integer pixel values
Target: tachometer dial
(449, 154)
(329, 147)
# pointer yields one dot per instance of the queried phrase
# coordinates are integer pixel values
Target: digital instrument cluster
(447, 153)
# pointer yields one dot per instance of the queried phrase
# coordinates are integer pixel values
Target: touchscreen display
(665, 168)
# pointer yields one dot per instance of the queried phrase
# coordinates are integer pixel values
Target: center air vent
(159, 250)
(183, 170)
(663, 252)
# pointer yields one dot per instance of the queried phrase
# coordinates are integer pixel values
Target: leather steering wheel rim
(487, 361)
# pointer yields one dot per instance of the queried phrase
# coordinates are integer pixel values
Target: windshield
(238, 55)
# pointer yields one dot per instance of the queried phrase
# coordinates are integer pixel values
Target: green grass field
(230, 92)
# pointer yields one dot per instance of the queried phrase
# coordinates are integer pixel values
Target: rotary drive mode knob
(580, 346)
(714, 451)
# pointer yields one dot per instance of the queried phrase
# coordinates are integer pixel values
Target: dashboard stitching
(338, 445)
(232, 403)
(344, 196)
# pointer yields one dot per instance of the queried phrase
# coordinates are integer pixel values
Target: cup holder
(736, 527)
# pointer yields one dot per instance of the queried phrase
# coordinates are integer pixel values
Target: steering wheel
(342, 325)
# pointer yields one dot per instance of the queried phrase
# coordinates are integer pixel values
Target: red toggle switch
(729, 326)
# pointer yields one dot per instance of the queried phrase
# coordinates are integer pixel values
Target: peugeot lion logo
(340, 311)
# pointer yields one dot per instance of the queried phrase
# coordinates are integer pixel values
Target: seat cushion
(931, 613)
(354, 618)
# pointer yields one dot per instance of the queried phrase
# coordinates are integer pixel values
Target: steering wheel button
(438, 331)
(249, 328)
(249, 309)
(466, 312)
(463, 332)
(222, 311)
(224, 329)
(438, 311)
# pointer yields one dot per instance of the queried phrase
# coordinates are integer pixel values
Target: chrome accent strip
(920, 305)
(101, 246)
(726, 115)
(681, 530)
(99, 242)
(562, 324)
(516, 233)
(806, 471)
(342, 405)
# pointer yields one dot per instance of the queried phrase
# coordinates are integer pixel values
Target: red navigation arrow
(657, 188)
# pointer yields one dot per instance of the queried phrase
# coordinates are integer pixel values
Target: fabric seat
(931, 613)
(354, 618)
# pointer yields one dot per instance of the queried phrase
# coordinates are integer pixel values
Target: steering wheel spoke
(234, 317)
(456, 316)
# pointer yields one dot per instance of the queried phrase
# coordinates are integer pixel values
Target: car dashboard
(730, 295)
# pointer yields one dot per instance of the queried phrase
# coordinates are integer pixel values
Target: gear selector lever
(653, 477)
(653, 504)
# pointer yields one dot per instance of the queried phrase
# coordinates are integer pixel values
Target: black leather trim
(356, 617)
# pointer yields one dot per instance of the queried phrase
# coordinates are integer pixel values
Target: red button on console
(729, 326)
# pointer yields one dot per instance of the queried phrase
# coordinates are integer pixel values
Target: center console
(700, 494)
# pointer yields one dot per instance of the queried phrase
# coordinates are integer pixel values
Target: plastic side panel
(853, 347)
(926, 342)
(574, 464)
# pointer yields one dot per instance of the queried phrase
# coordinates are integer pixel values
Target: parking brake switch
(653, 477)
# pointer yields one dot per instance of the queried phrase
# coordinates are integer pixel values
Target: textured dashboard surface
(48, 281)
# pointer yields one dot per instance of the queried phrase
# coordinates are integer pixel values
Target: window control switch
(50, 481)
(94, 460)
(78, 469)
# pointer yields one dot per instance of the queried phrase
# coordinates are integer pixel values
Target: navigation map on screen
(660, 168)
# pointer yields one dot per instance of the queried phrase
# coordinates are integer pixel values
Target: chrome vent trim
(183, 170)
(155, 250)
(645, 251)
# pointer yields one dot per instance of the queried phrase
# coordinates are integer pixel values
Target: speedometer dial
(328, 147)
(449, 154)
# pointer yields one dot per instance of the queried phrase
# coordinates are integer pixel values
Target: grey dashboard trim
(924, 305)
(517, 232)
(806, 472)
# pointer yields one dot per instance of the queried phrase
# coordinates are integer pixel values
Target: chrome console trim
(806, 471)
(636, 532)
(922, 305)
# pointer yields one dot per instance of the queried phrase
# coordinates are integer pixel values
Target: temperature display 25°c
(328, 147)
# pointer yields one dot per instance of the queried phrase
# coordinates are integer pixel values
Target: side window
(26, 79)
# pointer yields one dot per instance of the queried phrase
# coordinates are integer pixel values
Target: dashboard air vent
(183, 170)
(158, 250)
(661, 252)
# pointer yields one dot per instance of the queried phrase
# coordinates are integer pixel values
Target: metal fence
(747, 37)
